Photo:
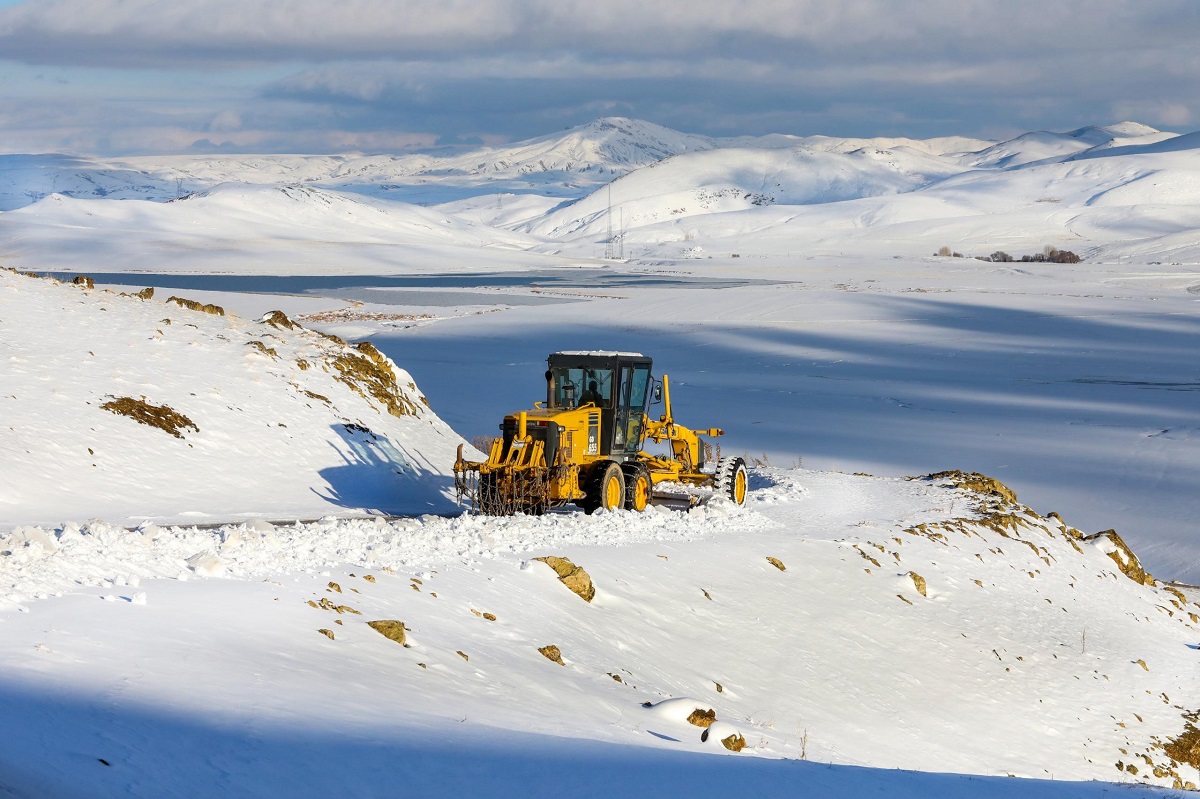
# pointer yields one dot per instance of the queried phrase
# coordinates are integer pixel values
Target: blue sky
(118, 77)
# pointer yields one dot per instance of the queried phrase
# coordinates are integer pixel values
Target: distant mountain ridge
(1114, 189)
(569, 164)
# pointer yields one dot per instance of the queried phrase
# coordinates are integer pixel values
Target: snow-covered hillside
(128, 409)
(766, 195)
(724, 180)
(289, 229)
(167, 627)
(839, 620)
(559, 163)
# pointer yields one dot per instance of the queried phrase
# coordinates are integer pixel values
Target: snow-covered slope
(254, 229)
(746, 194)
(848, 620)
(724, 180)
(570, 161)
(271, 421)
(1045, 145)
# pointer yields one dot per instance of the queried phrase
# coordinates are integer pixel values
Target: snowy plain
(788, 287)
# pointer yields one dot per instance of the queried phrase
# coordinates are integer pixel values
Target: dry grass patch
(160, 416)
(192, 305)
(979, 483)
(369, 373)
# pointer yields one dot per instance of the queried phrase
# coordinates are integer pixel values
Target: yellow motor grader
(583, 445)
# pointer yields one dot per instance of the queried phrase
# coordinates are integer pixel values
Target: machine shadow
(374, 466)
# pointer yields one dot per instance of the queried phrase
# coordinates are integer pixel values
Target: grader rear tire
(605, 489)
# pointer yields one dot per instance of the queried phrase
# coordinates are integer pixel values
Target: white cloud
(118, 31)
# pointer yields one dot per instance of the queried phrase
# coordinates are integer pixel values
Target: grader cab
(584, 445)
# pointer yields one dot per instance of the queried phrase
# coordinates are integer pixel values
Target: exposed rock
(552, 652)
(334, 587)
(327, 633)
(160, 416)
(263, 348)
(389, 628)
(777, 563)
(1116, 548)
(702, 718)
(571, 576)
(1185, 747)
(85, 281)
(979, 483)
(278, 319)
(919, 583)
(734, 743)
(145, 294)
(215, 310)
(370, 578)
(370, 374)
(463, 655)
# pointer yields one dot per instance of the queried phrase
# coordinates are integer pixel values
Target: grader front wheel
(731, 480)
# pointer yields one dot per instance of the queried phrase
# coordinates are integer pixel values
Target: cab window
(576, 387)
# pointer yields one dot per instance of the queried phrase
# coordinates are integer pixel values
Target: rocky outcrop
(571, 576)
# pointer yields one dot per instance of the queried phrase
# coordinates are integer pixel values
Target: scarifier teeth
(507, 492)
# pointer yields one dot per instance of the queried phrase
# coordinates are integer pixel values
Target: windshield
(576, 387)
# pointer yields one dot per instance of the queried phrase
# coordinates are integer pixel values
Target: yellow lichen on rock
(778, 564)
(571, 576)
(702, 718)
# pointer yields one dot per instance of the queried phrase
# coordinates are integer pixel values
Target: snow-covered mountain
(734, 179)
(559, 163)
(264, 229)
(1122, 190)
(1045, 145)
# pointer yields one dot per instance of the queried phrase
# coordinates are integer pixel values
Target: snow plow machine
(583, 445)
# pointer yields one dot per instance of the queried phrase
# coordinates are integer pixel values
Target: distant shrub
(1001, 257)
(943, 251)
(1053, 255)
